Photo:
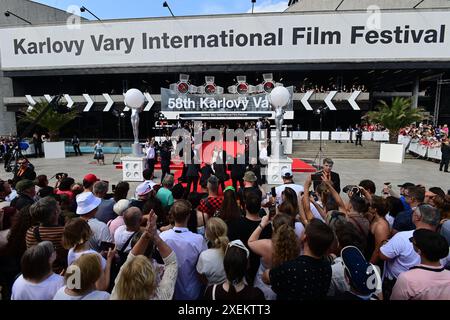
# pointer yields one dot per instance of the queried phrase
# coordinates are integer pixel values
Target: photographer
(24, 170)
(59, 177)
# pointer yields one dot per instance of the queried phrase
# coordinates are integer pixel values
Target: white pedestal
(136, 148)
(394, 153)
(133, 168)
(54, 150)
(275, 167)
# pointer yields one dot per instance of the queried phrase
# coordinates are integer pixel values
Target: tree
(395, 116)
(53, 120)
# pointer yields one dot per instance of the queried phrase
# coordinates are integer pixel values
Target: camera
(105, 246)
(354, 189)
(61, 175)
(314, 195)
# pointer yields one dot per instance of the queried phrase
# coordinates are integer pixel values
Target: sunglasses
(238, 244)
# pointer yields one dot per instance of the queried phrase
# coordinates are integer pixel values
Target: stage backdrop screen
(219, 106)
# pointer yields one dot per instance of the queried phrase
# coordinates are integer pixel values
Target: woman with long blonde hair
(283, 246)
(210, 262)
(88, 270)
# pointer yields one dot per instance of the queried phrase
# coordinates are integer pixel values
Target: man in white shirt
(132, 218)
(150, 156)
(187, 247)
(399, 252)
(428, 280)
(288, 181)
(87, 205)
(263, 160)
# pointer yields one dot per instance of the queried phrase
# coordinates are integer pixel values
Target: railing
(339, 135)
(419, 149)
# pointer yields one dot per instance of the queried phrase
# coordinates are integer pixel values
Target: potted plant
(53, 120)
(394, 117)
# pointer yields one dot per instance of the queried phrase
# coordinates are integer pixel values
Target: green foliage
(395, 116)
(53, 121)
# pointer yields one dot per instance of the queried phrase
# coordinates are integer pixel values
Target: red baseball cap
(91, 178)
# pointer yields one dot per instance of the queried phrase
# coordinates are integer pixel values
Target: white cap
(286, 173)
(121, 206)
(86, 202)
(143, 189)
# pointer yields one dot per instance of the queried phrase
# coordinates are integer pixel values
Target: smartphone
(104, 246)
(272, 211)
(273, 192)
(113, 187)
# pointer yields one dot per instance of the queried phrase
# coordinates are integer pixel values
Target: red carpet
(301, 166)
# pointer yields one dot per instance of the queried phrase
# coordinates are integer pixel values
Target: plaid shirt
(210, 205)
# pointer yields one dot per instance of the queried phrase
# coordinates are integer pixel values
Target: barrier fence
(416, 147)
(339, 135)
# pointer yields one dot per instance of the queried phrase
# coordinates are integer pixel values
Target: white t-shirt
(210, 263)
(100, 232)
(72, 256)
(401, 254)
(297, 188)
(94, 295)
(45, 290)
(10, 197)
(315, 212)
(299, 229)
(390, 219)
(121, 236)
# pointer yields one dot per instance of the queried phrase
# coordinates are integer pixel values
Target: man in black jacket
(359, 134)
(238, 171)
(165, 154)
(26, 190)
(192, 172)
(25, 170)
(330, 175)
(445, 149)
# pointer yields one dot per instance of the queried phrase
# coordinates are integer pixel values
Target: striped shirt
(54, 235)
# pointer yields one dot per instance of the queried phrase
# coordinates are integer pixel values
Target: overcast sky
(117, 9)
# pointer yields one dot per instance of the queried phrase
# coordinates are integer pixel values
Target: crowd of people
(163, 241)
(327, 88)
(427, 134)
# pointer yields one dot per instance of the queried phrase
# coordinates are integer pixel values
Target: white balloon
(279, 97)
(134, 99)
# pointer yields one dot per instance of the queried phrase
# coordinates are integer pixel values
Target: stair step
(309, 150)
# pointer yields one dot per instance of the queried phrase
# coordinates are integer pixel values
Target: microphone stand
(320, 152)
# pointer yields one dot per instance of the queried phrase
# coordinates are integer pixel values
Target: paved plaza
(351, 171)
